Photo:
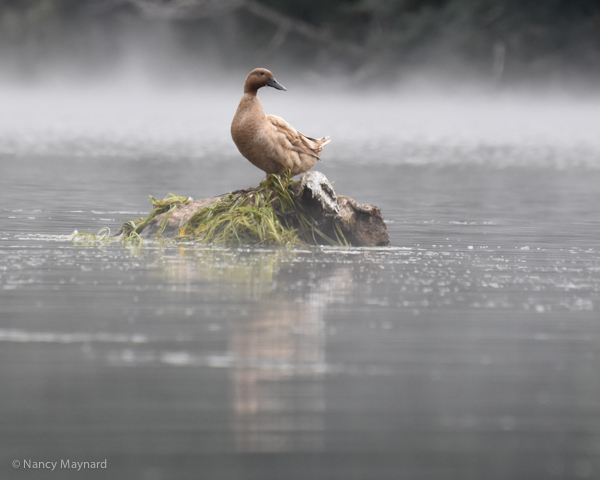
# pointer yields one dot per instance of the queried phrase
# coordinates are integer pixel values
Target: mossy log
(279, 211)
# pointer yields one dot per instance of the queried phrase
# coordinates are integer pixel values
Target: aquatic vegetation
(85, 238)
(129, 231)
(166, 205)
(271, 214)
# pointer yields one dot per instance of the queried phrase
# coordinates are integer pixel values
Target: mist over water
(469, 349)
(129, 120)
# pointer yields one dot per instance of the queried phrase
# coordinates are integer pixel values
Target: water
(469, 349)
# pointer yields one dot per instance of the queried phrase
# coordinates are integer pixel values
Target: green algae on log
(277, 212)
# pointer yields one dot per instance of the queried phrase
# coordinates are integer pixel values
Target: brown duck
(269, 142)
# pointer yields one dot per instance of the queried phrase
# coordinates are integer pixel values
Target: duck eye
(262, 73)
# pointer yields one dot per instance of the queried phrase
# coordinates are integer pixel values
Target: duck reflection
(278, 349)
(278, 397)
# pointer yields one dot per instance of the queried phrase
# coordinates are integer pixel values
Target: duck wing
(294, 140)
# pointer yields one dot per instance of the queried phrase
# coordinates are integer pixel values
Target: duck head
(261, 77)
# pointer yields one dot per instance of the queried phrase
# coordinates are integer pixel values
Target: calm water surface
(469, 349)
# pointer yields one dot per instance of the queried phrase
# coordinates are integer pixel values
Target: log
(360, 224)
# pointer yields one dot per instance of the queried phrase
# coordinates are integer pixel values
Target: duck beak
(275, 84)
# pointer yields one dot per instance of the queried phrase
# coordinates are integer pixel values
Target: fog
(135, 119)
(140, 79)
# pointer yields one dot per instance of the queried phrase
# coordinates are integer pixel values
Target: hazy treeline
(501, 41)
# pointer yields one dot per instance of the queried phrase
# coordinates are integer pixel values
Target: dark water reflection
(469, 349)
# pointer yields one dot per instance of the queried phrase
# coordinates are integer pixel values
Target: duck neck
(250, 101)
(250, 90)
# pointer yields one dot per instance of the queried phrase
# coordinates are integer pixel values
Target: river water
(469, 349)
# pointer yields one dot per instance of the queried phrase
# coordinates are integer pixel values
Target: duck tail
(321, 144)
